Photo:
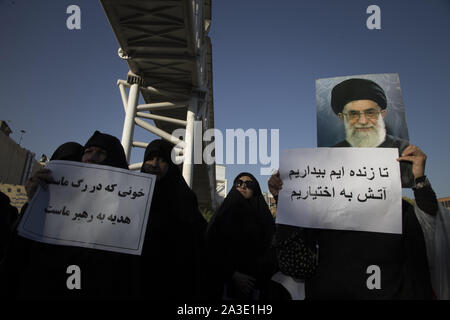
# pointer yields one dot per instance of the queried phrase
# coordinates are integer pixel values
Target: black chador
(239, 238)
(171, 260)
(36, 270)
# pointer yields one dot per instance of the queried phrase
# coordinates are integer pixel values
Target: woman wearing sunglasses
(239, 237)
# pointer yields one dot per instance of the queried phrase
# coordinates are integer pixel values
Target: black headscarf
(163, 149)
(115, 154)
(256, 208)
(71, 151)
(171, 185)
(259, 204)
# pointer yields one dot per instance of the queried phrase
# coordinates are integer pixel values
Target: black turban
(115, 156)
(356, 89)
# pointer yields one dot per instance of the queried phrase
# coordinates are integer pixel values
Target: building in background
(16, 193)
(445, 202)
(270, 200)
(221, 184)
(16, 166)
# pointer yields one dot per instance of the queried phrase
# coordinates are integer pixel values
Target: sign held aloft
(341, 189)
(91, 206)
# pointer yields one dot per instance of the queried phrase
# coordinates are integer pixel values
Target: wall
(16, 163)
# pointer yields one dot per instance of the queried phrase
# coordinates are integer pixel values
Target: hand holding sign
(418, 159)
(275, 184)
(40, 178)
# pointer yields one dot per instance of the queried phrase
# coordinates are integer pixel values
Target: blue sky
(60, 85)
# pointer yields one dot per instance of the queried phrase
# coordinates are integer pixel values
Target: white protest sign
(91, 206)
(341, 188)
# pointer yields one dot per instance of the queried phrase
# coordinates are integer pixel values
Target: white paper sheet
(91, 206)
(341, 188)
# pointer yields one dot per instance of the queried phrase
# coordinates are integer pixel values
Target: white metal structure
(221, 184)
(168, 51)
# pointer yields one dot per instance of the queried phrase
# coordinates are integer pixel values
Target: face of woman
(95, 155)
(242, 186)
(156, 165)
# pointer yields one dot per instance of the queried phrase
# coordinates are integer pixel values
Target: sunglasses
(247, 184)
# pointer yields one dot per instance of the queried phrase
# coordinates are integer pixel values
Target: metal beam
(135, 166)
(140, 144)
(123, 94)
(157, 91)
(188, 165)
(165, 92)
(160, 106)
(162, 56)
(159, 132)
(161, 118)
(128, 126)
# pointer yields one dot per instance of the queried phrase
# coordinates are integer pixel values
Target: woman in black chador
(171, 261)
(39, 270)
(32, 264)
(239, 238)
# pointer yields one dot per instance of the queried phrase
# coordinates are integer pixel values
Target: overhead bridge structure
(168, 51)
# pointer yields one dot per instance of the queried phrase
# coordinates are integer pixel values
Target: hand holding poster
(91, 206)
(341, 188)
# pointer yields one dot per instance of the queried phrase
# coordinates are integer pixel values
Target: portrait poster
(331, 130)
(337, 98)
